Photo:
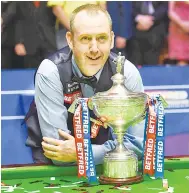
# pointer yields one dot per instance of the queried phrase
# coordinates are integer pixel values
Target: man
(8, 10)
(90, 39)
(150, 29)
(35, 32)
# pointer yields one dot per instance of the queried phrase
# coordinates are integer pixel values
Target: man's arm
(49, 99)
(62, 152)
(99, 151)
(161, 12)
(133, 138)
(125, 26)
(133, 80)
(20, 49)
(52, 116)
(8, 15)
(58, 10)
(121, 14)
(136, 9)
(125, 18)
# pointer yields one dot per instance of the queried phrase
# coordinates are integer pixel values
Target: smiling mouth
(94, 58)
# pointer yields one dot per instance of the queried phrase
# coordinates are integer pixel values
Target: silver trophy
(121, 109)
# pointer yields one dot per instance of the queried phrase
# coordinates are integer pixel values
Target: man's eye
(102, 39)
(85, 39)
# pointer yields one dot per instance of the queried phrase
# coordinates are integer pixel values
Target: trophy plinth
(121, 109)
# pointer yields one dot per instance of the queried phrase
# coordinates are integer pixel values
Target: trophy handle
(139, 118)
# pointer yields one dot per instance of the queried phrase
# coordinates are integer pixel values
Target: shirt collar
(78, 73)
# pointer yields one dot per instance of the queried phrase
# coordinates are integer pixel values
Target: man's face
(91, 41)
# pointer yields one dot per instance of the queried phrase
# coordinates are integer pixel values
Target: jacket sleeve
(161, 12)
(135, 9)
(125, 18)
(9, 14)
(19, 31)
(19, 36)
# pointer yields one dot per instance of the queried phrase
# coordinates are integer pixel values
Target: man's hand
(20, 49)
(185, 26)
(120, 42)
(141, 27)
(60, 150)
(144, 22)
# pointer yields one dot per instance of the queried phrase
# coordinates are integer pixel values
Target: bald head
(92, 11)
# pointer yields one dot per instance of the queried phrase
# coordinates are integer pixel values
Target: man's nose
(94, 47)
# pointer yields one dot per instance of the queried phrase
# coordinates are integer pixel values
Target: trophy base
(131, 180)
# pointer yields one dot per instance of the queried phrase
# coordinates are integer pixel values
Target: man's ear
(112, 39)
(69, 38)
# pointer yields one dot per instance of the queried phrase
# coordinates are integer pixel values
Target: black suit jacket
(8, 13)
(160, 15)
(35, 26)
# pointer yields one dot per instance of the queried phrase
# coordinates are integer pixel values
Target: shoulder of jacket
(47, 67)
(61, 55)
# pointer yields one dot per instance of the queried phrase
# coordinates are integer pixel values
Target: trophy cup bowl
(120, 109)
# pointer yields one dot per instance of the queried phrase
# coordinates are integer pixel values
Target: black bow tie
(91, 81)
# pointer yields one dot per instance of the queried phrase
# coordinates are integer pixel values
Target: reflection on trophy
(121, 109)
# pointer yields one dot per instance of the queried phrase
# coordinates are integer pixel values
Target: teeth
(93, 58)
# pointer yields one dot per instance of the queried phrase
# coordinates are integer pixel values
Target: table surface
(33, 179)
